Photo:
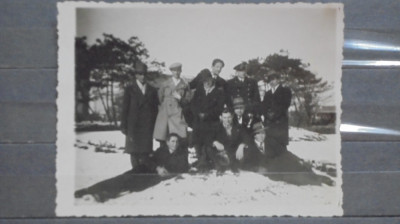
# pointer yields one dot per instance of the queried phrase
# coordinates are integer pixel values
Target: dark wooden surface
(28, 78)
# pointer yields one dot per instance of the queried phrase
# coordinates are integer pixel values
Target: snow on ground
(208, 190)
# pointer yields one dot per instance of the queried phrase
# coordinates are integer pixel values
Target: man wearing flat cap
(206, 106)
(242, 86)
(275, 110)
(139, 111)
(174, 95)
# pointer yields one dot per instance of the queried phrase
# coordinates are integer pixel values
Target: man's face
(176, 73)
(259, 137)
(172, 144)
(208, 83)
(217, 68)
(226, 119)
(140, 77)
(240, 74)
(239, 111)
(273, 83)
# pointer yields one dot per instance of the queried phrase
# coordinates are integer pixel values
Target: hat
(258, 128)
(205, 75)
(238, 102)
(272, 76)
(241, 67)
(139, 68)
(175, 66)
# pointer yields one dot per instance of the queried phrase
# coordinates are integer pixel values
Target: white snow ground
(244, 194)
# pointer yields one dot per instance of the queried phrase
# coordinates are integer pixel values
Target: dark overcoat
(275, 110)
(211, 105)
(247, 90)
(138, 117)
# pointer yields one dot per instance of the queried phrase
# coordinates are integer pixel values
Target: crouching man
(168, 161)
(227, 138)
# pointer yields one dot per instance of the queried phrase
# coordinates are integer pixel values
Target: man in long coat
(174, 94)
(242, 86)
(276, 103)
(139, 111)
(206, 105)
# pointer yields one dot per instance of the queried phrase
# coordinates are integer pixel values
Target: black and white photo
(199, 109)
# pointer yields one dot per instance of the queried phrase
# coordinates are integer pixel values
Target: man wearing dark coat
(206, 106)
(168, 160)
(139, 111)
(275, 108)
(226, 139)
(242, 116)
(242, 86)
(285, 167)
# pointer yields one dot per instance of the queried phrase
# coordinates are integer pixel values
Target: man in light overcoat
(174, 94)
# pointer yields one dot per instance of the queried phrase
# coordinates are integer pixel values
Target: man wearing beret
(275, 110)
(206, 105)
(242, 86)
(139, 111)
(174, 94)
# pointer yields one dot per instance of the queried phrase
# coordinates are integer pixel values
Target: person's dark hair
(170, 135)
(217, 60)
(227, 110)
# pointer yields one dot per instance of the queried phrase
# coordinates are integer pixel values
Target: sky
(196, 34)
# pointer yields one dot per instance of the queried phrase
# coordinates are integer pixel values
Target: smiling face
(260, 136)
(217, 68)
(227, 119)
(173, 144)
(239, 111)
(176, 73)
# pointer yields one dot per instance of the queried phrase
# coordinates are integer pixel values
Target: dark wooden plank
(27, 123)
(370, 156)
(27, 180)
(366, 14)
(28, 85)
(28, 48)
(371, 194)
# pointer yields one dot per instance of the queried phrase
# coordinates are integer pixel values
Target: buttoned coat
(247, 90)
(138, 116)
(275, 109)
(170, 118)
(211, 105)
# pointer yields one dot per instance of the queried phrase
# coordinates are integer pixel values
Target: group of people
(237, 124)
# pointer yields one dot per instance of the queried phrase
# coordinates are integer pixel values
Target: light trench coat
(170, 118)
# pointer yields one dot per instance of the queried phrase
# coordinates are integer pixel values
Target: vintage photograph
(199, 109)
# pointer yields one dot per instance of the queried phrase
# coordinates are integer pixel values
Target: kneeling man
(227, 138)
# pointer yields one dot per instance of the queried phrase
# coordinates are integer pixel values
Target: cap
(241, 67)
(238, 103)
(175, 66)
(258, 128)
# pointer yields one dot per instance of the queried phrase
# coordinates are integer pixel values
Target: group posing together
(237, 124)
